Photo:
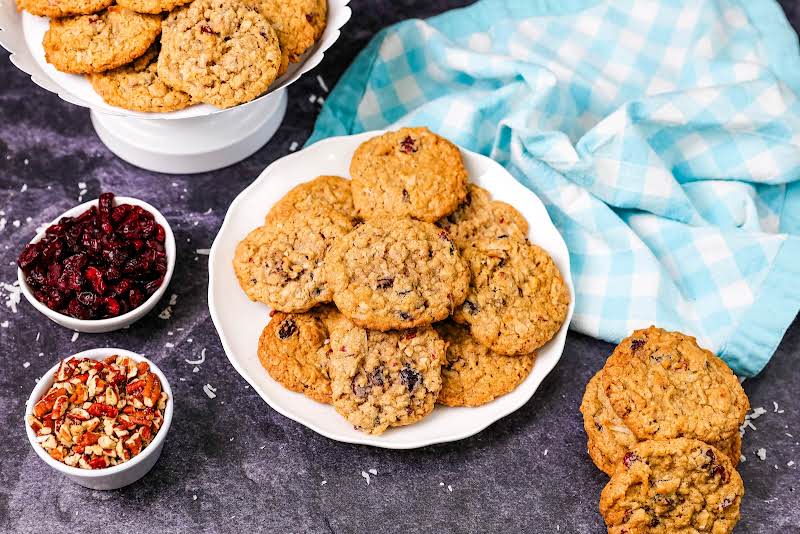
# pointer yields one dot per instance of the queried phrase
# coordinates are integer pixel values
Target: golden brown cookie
(99, 42)
(385, 379)
(136, 86)
(408, 173)
(62, 8)
(396, 273)
(293, 348)
(323, 192)
(474, 375)
(663, 385)
(299, 23)
(479, 217)
(281, 263)
(220, 52)
(676, 486)
(517, 299)
(152, 6)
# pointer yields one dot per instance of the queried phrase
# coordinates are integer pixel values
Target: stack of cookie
(164, 55)
(663, 419)
(437, 294)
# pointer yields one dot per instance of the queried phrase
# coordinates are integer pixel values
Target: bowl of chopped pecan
(100, 417)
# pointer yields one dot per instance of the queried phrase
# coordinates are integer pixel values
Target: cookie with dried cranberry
(385, 379)
(474, 375)
(299, 23)
(220, 52)
(101, 41)
(281, 263)
(294, 349)
(478, 217)
(609, 438)
(321, 193)
(136, 86)
(517, 299)
(664, 385)
(672, 486)
(396, 273)
(408, 173)
(62, 8)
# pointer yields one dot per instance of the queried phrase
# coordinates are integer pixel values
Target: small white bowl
(96, 326)
(116, 476)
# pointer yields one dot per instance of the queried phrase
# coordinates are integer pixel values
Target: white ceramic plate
(240, 321)
(21, 34)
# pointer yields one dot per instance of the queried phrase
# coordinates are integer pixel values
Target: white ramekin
(119, 475)
(95, 326)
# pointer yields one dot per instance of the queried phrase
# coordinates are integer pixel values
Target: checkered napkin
(663, 137)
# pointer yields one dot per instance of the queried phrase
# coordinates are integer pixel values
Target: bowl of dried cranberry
(100, 266)
(100, 417)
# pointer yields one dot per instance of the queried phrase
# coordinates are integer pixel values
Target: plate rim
(369, 439)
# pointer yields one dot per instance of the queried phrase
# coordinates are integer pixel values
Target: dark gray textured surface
(252, 469)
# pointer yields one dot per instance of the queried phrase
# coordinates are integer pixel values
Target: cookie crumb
(762, 454)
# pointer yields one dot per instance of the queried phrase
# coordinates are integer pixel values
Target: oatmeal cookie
(408, 173)
(280, 264)
(517, 299)
(137, 87)
(299, 23)
(62, 8)
(385, 379)
(474, 375)
(663, 385)
(294, 350)
(480, 217)
(396, 273)
(321, 193)
(608, 437)
(676, 486)
(99, 42)
(152, 6)
(220, 52)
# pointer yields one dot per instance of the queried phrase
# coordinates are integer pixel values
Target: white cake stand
(196, 139)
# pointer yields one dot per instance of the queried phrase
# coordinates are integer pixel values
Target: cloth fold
(662, 136)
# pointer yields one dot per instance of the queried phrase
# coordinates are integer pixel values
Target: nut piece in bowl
(101, 266)
(100, 417)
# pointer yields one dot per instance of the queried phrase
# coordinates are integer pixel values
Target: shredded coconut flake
(366, 476)
(373, 471)
(203, 251)
(199, 361)
(322, 83)
(75, 337)
(196, 370)
(762, 454)
(449, 487)
(790, 463)
(545, 452)
(323, 482)
(293, 146)
(209, 391)
(23, 188)
(26, 365)
(169, 345)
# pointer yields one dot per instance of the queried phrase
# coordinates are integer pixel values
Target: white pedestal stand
(192, 145)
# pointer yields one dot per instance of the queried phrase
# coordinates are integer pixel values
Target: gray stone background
(232, 464)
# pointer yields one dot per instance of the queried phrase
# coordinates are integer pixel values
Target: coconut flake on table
(293, 146)
(203, 251)
(75, 336)
(323, 482)
(23, 188)
(3, 223)
(373, 471)
(762, 454)
(82, 189)
(169, 345)
(199, 361)
(209, 390)
(13, 295)
(449, 488)
(26, 365)
(322, 83)
(366, 476)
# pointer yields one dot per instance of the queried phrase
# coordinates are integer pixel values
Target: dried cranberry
(287, 328)
(410, 377)
(408, 145)
(629, 458)
(636, 344)
(376, 377)
(406, 196)
(102, 263)
(206, 29)
(30, 255)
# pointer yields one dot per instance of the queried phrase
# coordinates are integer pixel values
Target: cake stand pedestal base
(192, 145)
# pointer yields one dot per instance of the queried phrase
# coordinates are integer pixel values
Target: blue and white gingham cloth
(663, 137)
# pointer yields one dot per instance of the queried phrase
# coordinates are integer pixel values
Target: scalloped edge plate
(21, 34)
(239, 321)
